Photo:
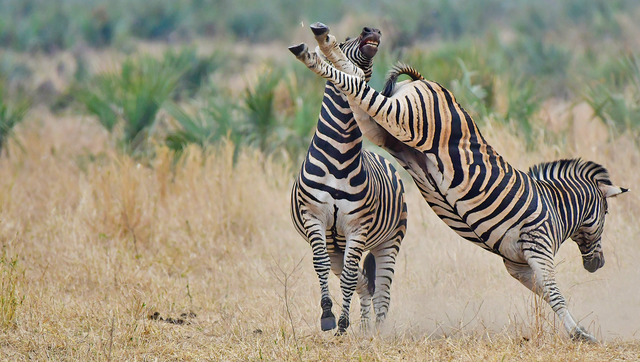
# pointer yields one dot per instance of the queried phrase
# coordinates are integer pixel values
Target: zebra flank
(347, 201)
(522, 217)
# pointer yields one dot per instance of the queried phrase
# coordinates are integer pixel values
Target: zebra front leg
(329, 47)
(384, 110)
(316, 236)
(539, 277)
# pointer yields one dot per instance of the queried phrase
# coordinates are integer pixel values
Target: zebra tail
(369, 269)
(393, 74)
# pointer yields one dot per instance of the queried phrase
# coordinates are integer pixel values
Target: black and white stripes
(523, 218)
(347, 200)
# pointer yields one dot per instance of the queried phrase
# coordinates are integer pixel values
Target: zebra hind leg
(350, 276)
(365, 285)
(366, 289)
(385, 255)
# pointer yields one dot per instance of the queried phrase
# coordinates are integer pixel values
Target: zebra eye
(348, 38)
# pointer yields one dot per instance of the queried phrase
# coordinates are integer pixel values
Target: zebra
(347, 200)
(521, 217)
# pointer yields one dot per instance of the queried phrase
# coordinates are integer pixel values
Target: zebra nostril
(366, 30)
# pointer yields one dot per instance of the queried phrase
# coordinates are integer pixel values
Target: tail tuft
(394, 73)
(369, 269)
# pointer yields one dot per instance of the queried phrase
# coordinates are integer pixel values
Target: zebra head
(362, 49)
(589, 234)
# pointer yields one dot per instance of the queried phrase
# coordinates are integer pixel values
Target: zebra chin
(594, 263)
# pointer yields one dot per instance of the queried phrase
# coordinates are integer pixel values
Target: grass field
(114, 249)
(94, 243)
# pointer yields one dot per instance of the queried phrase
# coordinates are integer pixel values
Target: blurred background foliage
(503, 59)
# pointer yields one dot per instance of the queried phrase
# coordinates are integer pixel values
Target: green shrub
(209, 124)
(305, 99)
(13, 107)
(618, 107)
(198, 69)
(134, 95)
(473, 97)
(157, 19)
(261, 122)
(524, 101)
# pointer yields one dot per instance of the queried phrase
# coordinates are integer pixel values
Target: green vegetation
(10, 276)
(14, 105)
(503, 59)
(617, 101)
(135, 95)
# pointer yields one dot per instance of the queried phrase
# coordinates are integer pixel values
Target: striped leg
(316, 235)
(329, 47)
(337, 266)
(539, 277)
(385, 256)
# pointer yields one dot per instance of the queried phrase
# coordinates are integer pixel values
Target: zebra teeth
(372, 43)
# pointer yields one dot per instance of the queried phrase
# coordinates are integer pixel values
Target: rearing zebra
(524, 218)
(347, 200)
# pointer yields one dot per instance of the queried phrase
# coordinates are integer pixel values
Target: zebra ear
(611, 190)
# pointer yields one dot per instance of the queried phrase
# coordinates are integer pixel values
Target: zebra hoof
(328, 323)
(580, 335)
(343, 324)
(299, 49)
(319, 29)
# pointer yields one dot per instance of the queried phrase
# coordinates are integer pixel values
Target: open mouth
(369, 45)
(372, 43)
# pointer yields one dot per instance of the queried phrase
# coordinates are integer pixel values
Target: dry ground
(103, 242)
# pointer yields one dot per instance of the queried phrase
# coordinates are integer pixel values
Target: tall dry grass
(102, 245)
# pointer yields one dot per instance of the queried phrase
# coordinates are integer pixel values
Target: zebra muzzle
(594, 263)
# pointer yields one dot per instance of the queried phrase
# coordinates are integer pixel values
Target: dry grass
(102, 245)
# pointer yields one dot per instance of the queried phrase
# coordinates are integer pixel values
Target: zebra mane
(555, 170)
(393, 74)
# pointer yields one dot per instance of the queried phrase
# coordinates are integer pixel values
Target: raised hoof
(299, 49)
(319, 29)
(580, 335)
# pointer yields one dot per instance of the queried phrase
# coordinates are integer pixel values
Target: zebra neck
(571, 201)
(337, 130)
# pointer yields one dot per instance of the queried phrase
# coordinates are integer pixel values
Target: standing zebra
(523, 218)
(347, 200)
